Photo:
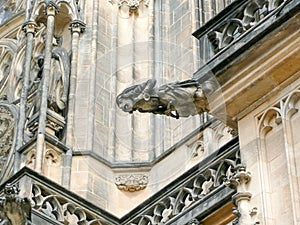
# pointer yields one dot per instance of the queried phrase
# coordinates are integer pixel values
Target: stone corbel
(131, 182)
(14, 210)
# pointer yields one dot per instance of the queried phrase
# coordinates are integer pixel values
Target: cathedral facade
(141, 112)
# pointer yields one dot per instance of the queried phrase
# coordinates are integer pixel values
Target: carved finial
(240, 176)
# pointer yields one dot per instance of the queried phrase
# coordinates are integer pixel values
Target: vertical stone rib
(76, 28)
(50, 10)
(92, 91)
(114, 68)
(30, 30)
(152, 74)
(195, 26)
(158, 74)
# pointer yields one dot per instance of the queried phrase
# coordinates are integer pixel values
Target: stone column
(76, 28)
(51, 10)
(29, 27)
(239, 181)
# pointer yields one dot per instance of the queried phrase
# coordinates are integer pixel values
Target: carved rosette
(6, 135)
(132, 182)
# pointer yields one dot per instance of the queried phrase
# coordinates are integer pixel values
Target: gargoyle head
(128, 99)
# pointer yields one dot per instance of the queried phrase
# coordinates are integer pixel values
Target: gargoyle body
(178, 99)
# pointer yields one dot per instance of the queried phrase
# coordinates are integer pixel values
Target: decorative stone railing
(191, 194)
(239, 26)
(53, 204)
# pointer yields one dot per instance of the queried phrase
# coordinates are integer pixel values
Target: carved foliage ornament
(178, 99)
(6, 135)
(132, 182)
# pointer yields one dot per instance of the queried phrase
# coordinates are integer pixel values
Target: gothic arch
(273, 114)
(70, 7)
(290, 107)
(8, 48)
(67, 7)
(16, 73)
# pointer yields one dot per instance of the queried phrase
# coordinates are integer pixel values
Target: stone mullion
(29, 28)
(50, 11)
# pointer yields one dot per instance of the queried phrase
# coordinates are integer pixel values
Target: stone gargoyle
(178, 99)
(14, 210)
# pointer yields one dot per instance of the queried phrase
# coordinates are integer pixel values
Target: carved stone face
(126, 104)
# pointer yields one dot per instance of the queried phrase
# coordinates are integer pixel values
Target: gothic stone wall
(269, 138)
